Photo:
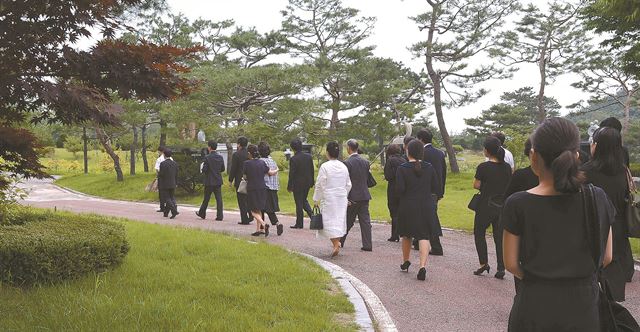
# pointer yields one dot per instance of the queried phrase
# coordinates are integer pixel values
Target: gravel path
(452, 298)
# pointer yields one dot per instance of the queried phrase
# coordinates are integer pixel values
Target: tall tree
(457, 33)
(550, 39)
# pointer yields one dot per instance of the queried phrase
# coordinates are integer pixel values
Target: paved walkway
(452, 298)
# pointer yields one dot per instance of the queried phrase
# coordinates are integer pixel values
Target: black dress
(254, 171)
(522, 180)
(559, 290)
(417, 209)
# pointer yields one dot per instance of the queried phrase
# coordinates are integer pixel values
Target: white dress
(332, 187)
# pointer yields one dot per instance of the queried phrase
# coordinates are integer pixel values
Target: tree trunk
(335, 109)
(380, 140)
(229, 155)
(132, 157)
(542, 67)
(627, 109)
(163, 133)
(85, 150)
(143, 150)
(104, 140)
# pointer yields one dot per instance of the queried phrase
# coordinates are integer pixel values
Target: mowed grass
(175, 279)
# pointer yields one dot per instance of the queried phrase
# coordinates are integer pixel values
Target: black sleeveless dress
(417, 207)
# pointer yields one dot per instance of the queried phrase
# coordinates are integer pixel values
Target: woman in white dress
(331, 190)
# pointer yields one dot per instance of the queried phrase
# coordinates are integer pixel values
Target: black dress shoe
(266, 230)
(219, 219)
(173, 216)
(165, 214)
(366, 249)
(393, 239)
(295, 227)
(199, 215)
(159, 210)
(422, 273)
(257, 233)
(436, 253)
(280, 229)
(405, 266)
(499, 275)
(482, 269)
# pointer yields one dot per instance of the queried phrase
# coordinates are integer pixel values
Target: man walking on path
(167, 183)
(235, 176)
(301, 179)
(437, 159)
(157, 168)
(359, 195)
(212, 168)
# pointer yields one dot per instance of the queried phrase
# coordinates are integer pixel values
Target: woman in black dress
(608, 171)
(522, 179)
(492, 178)
(545, 240)
(254, 171)
(394, 159)
(416, 182)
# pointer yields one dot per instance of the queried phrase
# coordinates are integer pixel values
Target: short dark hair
(213, 144)
(264, 149)
(500, 136)
(425, 136)
(612, 122)
(296, 144)
(353, 144)
(333, 149)
(167, 153)
(393, 149)
(527, 147)
(161, 148)
(407, 140)
(243, 141)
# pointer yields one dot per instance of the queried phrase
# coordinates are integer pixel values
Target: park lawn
(189, 280)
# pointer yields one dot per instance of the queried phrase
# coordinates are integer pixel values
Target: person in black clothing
(235, 177)
(212, 168)
(394, 159)
(492, 178)
(416, 183)
(614, 123)
(546, 244)
(254, 171)
(607, 171)
(359, 195)
(301, 179)
(167, 183)
(436, 158)
(522, 179)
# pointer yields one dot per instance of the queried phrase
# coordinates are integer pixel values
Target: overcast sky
(393, 33)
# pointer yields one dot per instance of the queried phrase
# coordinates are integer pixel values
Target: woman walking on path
(394, 159)
(546, 244)
(254, 171)
(271, 205)
(492, 178)
(416, 182)
(332, 188)
(608, 171)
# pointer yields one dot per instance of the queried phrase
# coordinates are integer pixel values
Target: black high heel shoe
(499, 275)
(422, 273)
(266, 230)
(405, 266)
(482, 269)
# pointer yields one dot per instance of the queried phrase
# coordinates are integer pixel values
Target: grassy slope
(178, 279)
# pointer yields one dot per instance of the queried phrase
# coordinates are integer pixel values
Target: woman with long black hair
(492, 178)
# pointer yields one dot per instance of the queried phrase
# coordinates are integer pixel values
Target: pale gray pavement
(451, 299)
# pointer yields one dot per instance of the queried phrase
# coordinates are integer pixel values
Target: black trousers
(360, 209)
(168, 196)
(161, 202)
(217, 192)
(436, 246)
(480, 224)
(302, 206)
(273, 218)
(393, 204)
(243, 206)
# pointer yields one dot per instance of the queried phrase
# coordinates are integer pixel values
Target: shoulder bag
(633, 208)
(475, 201)
(242, 187)
(316, 219)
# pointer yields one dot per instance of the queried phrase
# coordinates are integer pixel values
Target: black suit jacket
(301, 172)
(237, 162)
(358, 173)
(436, 158)
(168, 175)
(212, 169)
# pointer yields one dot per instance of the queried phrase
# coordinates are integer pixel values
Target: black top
(237, 160)
(168, 174)
(436, 158)
(212, 169)
(522, 180)
(301, 172)
(494, 178)
(417, 209)
(254, 170)
(553, 240)
(391, 166)
(615, 186)
(358, 173)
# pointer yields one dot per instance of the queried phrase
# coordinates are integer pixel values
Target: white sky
(393, 33)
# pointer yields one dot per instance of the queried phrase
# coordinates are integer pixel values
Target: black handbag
(633, 208)
(316, 219)
(614, 317)
(371, 181)
(475, 201)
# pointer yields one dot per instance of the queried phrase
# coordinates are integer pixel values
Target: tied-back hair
(253, 151)
(333, 149)
(415, 150)
(608, 155)
(494, 147)
(557, 141)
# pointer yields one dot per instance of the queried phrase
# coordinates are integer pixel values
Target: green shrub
(40, 246)
(458, 148)
(635, 169)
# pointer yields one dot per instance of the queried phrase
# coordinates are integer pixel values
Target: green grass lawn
(188, 280)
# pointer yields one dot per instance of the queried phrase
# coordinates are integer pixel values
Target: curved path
(452, 299)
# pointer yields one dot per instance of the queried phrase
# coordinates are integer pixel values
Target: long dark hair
(415, 149)
(494, 147)
(557, 140)
(607, 157)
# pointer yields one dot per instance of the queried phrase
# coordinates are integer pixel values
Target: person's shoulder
(517, 198)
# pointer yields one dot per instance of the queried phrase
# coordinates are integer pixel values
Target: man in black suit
(235, 176)
(167, 183)
(437, 159)
(301, 179)
(212, 168)
(359, 195)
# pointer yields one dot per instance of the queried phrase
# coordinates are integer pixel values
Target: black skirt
(271, 204)
(256, 199)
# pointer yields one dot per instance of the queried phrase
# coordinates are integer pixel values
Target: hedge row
(42, 247)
